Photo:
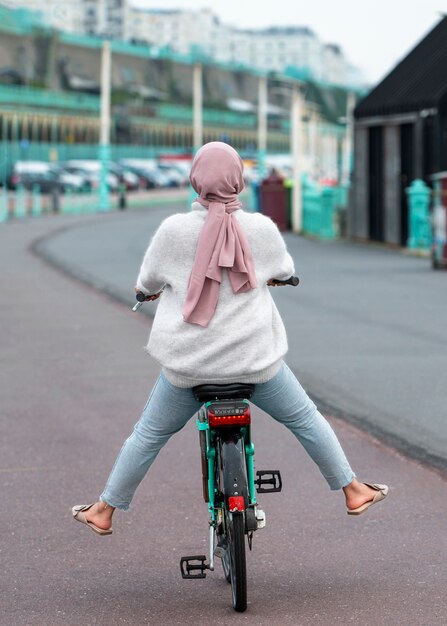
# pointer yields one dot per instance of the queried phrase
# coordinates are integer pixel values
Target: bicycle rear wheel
(236, 563)
(226, 566)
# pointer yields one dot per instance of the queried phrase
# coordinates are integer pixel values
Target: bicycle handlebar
(141, 297)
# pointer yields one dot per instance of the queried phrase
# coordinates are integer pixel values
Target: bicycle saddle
(207, 393)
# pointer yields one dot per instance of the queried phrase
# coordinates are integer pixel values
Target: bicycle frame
(229, 485)
(214, 436)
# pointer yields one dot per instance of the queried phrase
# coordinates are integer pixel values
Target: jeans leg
(285, 400)
(167, 410)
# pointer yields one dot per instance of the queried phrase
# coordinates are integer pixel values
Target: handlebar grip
(293, 280)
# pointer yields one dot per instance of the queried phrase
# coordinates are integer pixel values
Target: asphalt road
(367, 327)
(73, 380)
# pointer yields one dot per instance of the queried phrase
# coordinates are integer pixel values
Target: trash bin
(439, 221)
(274, 199)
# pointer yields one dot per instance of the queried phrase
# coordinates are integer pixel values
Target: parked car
(175, 177)
(125, 176)
(70, 181)
(147, 172)
(91, 170)
(32, 174)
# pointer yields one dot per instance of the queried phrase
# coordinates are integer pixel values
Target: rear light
(236, 503)
(15, 179)
(241, 419)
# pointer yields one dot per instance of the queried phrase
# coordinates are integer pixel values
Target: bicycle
(229, 483)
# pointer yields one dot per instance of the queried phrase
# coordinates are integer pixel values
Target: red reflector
(216, 421)
(236, 503)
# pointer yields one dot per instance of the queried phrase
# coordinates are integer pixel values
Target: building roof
(417, 82)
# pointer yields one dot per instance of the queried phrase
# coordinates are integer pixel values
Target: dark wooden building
(400, 134)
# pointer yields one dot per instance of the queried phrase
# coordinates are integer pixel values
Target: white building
(106, 18)
(274, 48)
(335, 65)
(182, 31)
(60, 14)
(278, 48)
(186, 31)
(91, 17)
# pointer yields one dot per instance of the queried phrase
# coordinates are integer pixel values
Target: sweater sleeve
(280, 263)
(152, 275)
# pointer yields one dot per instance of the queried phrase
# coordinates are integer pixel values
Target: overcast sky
(373, 35)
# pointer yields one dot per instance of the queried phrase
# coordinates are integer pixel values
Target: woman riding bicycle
(217, 323)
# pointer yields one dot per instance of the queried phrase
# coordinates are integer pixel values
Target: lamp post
(262, 124)
(350, 105)
(197, 106)
(291, 88)
(295, 142)
(104, 139)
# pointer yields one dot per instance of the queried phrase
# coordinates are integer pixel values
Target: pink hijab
(216, 175)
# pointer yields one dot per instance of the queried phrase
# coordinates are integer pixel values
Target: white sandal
(382, 492)
(78, 514)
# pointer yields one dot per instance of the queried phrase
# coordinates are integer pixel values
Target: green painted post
(311, 207)
(67, 203)
(288, 185)
(192, 194)
(328, 224)
(36, 207)
(104, 158)
(4, 214)
(104, 142)
(84, 202)
(20, 209)
(4, 208)
(305, 188)
(418, 197)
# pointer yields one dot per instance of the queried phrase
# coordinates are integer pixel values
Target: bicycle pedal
(268, 481)
(190, 564)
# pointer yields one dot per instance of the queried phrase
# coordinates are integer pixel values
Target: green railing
(31, 96)
(34, 97)
(210, 116)
(324, 209)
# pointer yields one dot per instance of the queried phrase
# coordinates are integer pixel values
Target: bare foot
(100, 514)
(357, 493)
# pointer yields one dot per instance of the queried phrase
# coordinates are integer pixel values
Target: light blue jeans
(169, 408)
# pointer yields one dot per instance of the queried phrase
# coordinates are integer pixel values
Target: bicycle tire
(237, 561)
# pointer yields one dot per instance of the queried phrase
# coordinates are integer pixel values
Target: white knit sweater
(245, 340)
